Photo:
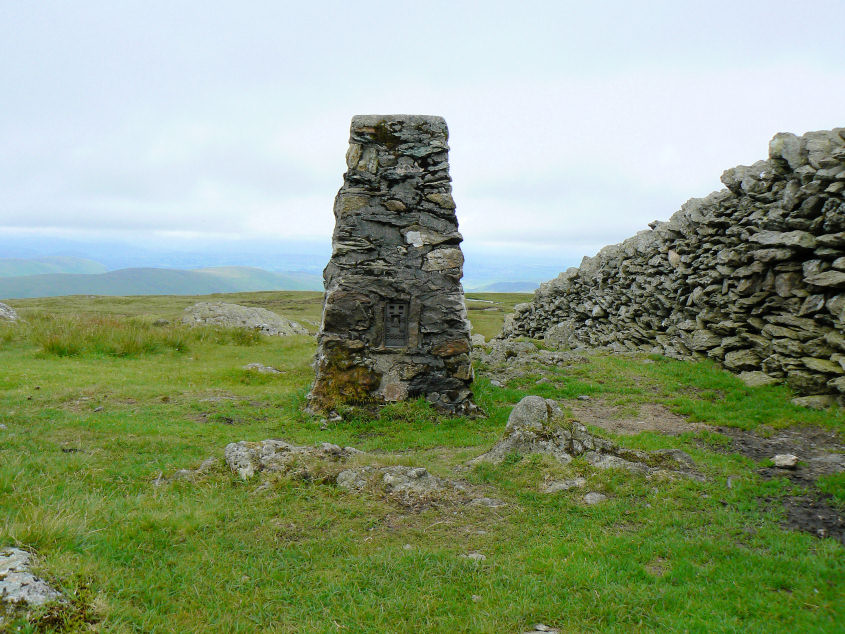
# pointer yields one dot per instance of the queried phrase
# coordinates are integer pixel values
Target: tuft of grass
(63, 336)
(121, 337)
(834, 486)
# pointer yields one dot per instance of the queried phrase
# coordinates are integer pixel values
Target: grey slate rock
(7, 313)
(17, 583)
(236, 316)
(537, 426)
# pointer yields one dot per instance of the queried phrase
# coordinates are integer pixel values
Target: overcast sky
(572, 124)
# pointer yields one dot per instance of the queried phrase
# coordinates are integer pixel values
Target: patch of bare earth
(657, 567)
(820, 452)
(612, 418)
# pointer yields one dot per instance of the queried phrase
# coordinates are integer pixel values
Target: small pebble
(785, 461)
(583, 397)
(98, 409)
(474, 556)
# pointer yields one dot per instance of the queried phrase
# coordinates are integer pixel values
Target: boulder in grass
(7, 313)
(236, 316)
(17, 583)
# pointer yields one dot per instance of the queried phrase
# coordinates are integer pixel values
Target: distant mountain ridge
(506, 287)
(154, 281)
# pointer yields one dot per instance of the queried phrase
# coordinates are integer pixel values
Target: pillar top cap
(396, 129)
(371, 120)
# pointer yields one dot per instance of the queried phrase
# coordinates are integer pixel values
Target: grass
(88, 434)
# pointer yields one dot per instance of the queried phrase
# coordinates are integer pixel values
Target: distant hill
(506, 287)
(151, 281)
(15, 267)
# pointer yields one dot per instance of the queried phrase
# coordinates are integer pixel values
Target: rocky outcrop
(394, 321)
(247, 458)
(326, 463)
(536, 425)
(18, 585)
(752, 276)
(7, 313)
(236, 316)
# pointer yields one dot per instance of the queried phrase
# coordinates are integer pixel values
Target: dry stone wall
(394, 322)
(752, 276)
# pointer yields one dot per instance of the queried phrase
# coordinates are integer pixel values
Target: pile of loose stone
(752, 276)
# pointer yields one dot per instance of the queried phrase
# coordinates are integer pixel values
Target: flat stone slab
(17, 583)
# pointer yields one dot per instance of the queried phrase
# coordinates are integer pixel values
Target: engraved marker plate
(396, 325)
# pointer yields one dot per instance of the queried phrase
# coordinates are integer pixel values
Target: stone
(261, 368)
(7, 313)
(838, 384)
(757, 379)
(742, 360)
(818, 401)
(834, 279)
(538, 426)
(610, 461)
(790, 148)
(394, 321)
(563, 485)
(559, 335)
(785, 461)
(593, 498)
(443, 259)
(794, 239)
(477, 557)
(236, 316)
(477, 340)
(248, 458)
(704, 340)
(17, 583)
(533, 413)
(822, 365)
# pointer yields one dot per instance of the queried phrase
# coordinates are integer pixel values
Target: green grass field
(99, 404)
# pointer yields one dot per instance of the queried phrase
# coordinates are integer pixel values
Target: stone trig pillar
(394, 321)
